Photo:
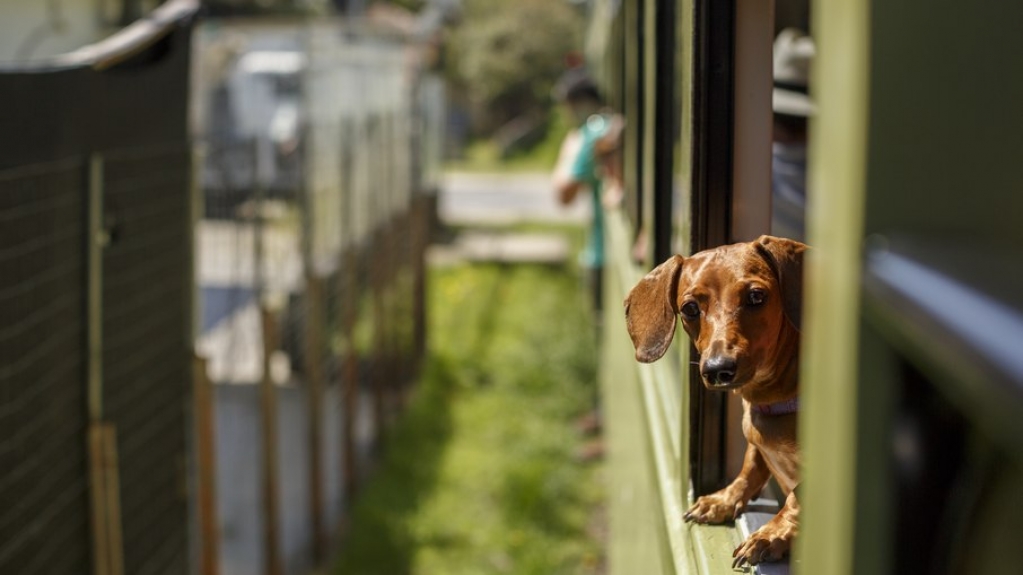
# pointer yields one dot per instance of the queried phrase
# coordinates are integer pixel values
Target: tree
(505, 56)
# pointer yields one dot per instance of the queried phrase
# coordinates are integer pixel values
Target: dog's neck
(780, 408)
(781, 391)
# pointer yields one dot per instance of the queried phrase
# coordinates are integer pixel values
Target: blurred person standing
(792, 106)
(585, 159)
(587, 165)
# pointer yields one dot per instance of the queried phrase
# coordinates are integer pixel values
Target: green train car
(911, 407)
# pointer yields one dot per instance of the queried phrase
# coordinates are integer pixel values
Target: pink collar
(780, 408)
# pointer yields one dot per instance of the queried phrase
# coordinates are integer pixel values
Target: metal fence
(95, 306)
(203, 393)
(43, 489)
(320, 161)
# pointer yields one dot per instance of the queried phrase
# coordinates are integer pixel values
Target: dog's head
(739, 304)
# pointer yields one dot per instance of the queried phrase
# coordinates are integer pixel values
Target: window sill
(761, 511)
(713, 544)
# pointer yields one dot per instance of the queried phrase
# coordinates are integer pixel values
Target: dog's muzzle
(719, 370)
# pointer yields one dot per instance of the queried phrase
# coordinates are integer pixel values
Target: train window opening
(929, 460)
(710, 40)
(696, 85)
(632, 105)
(949, 488)
(951, 443)
(727, 133)
(694, 80)
(661, 129)
(792, 106)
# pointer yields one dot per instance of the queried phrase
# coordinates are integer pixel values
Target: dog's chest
(775, 439)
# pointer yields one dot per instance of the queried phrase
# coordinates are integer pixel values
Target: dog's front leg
(772, 541)
(727, 504)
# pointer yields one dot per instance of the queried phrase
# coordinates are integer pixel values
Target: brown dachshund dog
(740, 305)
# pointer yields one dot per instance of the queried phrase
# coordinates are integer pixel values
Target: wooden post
(421, 227)
(101, 437)
(105, 497)
(350, 376)
(378, 273)
(267, 390)
(206, 488)
(112, 499)
(97, 491)
(271, 467)
(94, 369)
(314, 344)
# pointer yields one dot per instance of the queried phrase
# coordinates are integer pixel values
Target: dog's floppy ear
(651, 309)
(785, 257)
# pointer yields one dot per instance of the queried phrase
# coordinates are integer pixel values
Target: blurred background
(272, 275)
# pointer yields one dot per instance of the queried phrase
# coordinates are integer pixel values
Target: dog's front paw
(769, 543)
(717, 507)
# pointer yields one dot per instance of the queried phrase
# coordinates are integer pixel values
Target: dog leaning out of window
(740, 305)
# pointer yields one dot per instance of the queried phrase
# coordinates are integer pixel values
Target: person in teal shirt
(581, 170)
(578, 171)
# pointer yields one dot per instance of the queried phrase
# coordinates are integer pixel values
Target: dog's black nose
(719, 370)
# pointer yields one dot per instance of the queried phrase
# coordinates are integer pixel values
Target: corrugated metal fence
(203, 393)
(95, 301)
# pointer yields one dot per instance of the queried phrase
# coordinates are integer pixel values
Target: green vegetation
(505, 56)
(478, 476)
(484, 156)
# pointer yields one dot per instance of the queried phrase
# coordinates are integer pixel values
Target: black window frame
(711, 208)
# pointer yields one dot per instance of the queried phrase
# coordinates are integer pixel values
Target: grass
(478, 476)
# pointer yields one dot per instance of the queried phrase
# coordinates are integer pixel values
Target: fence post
(421, 226)
(379, 263)
(271, 480)
(267, 391)
(350, 376)
(314, 342)
(101, 438)
(206, 489)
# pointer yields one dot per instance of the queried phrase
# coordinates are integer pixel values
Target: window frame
(710, 168)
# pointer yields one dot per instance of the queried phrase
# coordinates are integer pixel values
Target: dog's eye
(691, 310)
(756, 297)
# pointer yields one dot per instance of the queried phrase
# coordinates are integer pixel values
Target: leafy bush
(506, 55)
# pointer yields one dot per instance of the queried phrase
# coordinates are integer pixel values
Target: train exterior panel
(911, 372)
